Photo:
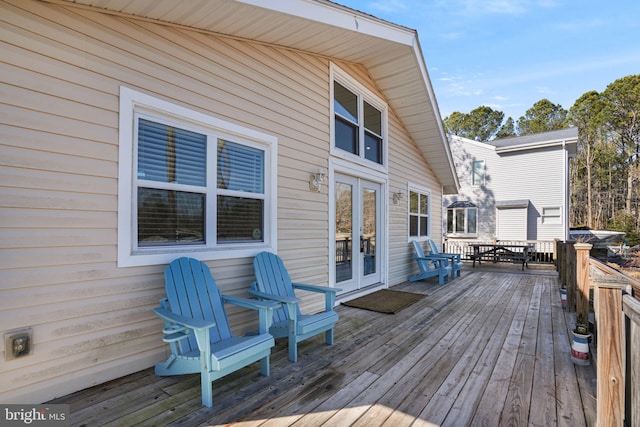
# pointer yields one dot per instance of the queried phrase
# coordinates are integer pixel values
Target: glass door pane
(369, 225)
(344, 231)
(370, 217)
(358, 228)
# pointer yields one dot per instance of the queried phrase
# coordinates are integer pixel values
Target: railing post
(631, 309)
(582, 281)
(569, 263)
(610, 350)
(559, 258)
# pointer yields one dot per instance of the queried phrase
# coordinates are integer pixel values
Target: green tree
(454, 124)
(544, 116)
(623, 108)
(481, 124)
(588, 116)
(507, 130)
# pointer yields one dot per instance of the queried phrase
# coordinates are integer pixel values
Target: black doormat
(385, 301)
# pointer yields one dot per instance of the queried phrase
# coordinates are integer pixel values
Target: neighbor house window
(462, 219)
(359, 120)
(477, 177)
(419, 214)
(551, 215)
(191, 184)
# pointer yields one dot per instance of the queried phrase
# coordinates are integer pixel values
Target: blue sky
(509, 54)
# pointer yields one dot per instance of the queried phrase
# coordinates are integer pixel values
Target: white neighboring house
(511, 189)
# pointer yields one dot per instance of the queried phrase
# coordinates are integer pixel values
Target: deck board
(489, 348)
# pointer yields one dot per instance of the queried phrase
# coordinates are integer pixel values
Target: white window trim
(342, 77)
(426, 191)
(132, 101)
(466, 217)
(558, 216)
(473, 170)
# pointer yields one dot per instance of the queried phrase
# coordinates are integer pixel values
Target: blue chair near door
(273, 283)
(455, 260)
(429, 265)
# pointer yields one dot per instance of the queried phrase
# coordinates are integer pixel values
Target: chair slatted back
(192, 292)
(423, 264)
(272, 278)
(434, 247)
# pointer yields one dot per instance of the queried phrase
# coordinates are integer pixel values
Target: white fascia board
(474, 142)
(339, 16)
(436, 110)
(534, 145)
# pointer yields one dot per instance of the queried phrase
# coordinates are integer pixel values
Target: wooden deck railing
(616, 334)
(542, 252)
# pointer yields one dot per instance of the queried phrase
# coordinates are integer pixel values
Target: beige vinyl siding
(407, 165)
(62, 69)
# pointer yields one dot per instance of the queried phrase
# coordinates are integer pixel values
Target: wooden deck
(490, 348)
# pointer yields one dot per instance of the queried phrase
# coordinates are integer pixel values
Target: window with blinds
(191, 184)
(175, 206)
(240, 198)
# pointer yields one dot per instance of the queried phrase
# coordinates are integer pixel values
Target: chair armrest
(251, 303)
(187, 322)
(316, 288)
(283, 299)
(451, 255)
(329, 293)
(200, 329)
(439, 259)
(265, 309)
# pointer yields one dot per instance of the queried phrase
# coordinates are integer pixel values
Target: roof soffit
(391, 53)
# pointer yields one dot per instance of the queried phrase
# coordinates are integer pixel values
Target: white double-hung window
(419, 213)
(359, 121)
(191, 185)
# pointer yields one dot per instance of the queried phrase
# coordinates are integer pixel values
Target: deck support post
(610, 350)
(582, 281)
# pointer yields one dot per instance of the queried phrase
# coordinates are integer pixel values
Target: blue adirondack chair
(454, 259)
(429, 265)
(198, 332)
(273, 283)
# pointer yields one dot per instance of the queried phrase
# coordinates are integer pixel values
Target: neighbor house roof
(567, 137)
(391, 53)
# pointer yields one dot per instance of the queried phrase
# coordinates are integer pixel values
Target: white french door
(358, 208)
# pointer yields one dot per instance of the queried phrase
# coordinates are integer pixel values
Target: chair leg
(293, 345)
(206, 389)
(264, 366)
(293, 350)
(329, 336)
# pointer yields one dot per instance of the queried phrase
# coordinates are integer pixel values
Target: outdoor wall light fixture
(317, 179)
(397, 197)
